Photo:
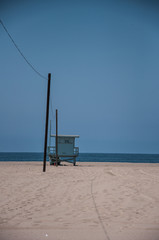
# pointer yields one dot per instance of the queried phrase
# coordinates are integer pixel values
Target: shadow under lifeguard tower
(66, 150)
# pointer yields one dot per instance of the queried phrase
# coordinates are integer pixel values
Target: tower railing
(52, 151)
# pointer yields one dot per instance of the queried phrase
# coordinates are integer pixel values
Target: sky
(103, 57)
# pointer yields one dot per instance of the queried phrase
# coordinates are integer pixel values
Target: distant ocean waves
(118, 157)
(86, 157)
(21, 156)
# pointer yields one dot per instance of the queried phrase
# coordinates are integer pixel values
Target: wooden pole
(56, 137)
(46, 123)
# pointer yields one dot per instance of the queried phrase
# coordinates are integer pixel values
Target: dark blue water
(86, 157)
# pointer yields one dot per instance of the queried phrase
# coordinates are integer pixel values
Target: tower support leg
(74, 161)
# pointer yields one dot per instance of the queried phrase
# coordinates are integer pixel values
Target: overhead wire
(33, 68)
(52, 115)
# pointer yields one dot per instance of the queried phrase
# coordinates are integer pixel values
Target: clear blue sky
(104, 61)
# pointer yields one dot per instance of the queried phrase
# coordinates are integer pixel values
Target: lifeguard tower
(65, 149)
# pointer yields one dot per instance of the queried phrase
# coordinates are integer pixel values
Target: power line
(20, 51)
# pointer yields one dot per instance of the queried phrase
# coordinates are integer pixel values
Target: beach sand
(91, 201)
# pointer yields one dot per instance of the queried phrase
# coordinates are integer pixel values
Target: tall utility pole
(56, 137)
(46, 123)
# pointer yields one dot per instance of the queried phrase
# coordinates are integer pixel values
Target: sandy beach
(104, 201)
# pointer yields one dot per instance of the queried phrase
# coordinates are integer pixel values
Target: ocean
(85, 157)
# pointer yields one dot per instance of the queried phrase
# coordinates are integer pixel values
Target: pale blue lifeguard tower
(66, 149)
